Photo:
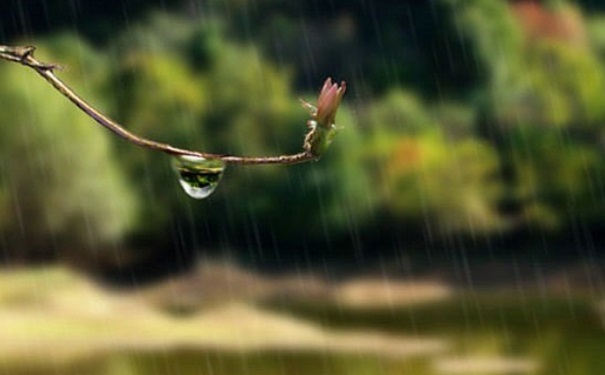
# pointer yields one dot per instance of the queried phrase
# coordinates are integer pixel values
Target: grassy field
(55, 321)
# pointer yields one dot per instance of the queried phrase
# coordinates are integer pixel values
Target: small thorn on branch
(19, 52)
(28, 51)
(25, 55)
(50, 67)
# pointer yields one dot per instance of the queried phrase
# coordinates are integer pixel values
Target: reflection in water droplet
(199, 177)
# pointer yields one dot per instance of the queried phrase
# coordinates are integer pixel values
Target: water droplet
(199, 177)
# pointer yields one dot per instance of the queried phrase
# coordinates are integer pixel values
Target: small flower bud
(323, 127)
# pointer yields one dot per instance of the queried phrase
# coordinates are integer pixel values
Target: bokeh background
(455, 226)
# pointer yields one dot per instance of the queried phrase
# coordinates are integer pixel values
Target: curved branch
(24, 56)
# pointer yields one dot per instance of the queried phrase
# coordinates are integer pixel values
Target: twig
(25, 56)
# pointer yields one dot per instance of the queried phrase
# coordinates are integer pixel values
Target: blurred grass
(563, 334)
(54, 317)
(56, 321)
(190, 362)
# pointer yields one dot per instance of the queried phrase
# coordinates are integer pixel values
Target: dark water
(564, 335)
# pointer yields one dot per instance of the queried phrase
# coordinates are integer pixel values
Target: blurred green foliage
(62, 186)
(463, 118)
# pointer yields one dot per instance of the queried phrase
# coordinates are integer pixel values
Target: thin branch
(25, 56)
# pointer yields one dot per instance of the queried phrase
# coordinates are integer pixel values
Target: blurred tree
(470, 116)
(557, 188)
(63, 192)
(543, 105)
(450, 186)
(540, 70)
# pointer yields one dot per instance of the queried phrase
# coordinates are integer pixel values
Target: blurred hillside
(469, 125)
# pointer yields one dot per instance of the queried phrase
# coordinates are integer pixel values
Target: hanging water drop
(199, 177)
